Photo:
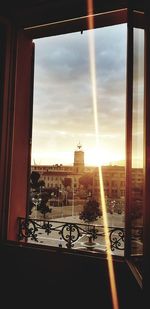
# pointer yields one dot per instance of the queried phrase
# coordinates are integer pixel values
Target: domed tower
(79, 160)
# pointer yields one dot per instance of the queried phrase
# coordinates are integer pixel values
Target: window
(63, 115)
(136, 145)
(20, 125)
(137, 184)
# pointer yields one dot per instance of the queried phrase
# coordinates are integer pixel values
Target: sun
(94, 157)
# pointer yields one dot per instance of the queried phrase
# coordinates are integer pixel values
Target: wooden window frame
(18, 86)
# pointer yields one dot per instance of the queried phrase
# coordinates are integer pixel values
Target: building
(67, 180)
(54, 175)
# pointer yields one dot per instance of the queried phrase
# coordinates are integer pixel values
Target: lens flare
(101, 186)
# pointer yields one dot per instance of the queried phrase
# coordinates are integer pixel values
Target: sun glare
(103, 202)
(100, 156)
(93, 157)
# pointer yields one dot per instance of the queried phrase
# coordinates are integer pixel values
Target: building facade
(67, 178)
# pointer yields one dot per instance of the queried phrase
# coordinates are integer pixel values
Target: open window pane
(137, 189)
(65, 155)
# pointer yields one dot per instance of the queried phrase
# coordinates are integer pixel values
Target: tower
(79, 160)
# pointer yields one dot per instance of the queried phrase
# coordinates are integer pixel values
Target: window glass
(137, 144)
(65, 158)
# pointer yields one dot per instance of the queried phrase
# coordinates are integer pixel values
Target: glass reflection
(137, 145)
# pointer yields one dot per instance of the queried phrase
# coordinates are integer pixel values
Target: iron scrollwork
(116, 237)
(69, 232)
(27, 229)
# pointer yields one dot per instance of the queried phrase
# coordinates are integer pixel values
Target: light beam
(101, 186)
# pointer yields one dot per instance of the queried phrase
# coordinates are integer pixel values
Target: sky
(63, 103)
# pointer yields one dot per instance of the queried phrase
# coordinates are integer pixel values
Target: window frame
(105, 19)
(15, 60)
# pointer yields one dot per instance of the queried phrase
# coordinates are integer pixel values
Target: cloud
(63, 104)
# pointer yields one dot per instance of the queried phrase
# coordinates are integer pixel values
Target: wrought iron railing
(70, 233)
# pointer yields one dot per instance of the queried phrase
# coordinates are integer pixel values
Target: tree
(42, 206)
(91, 211)
(41, 184)
(31, 205)
(39, 197)
(34, 180)
(35, 183)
